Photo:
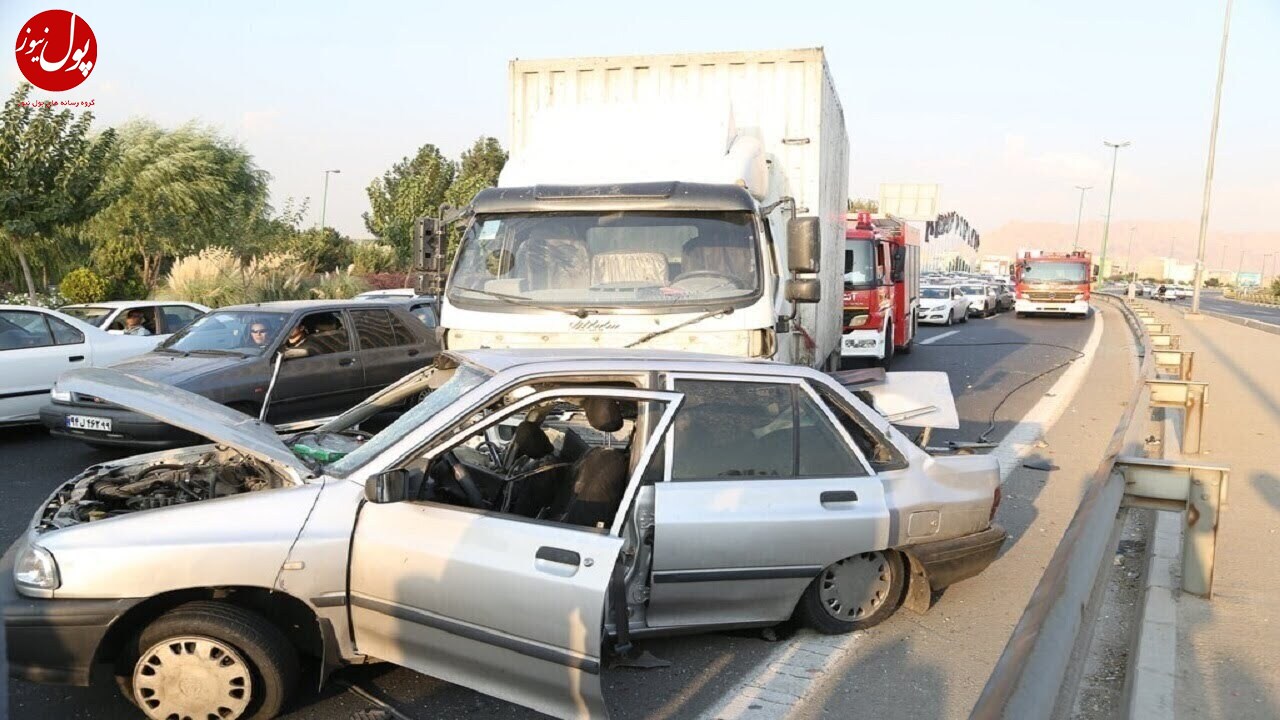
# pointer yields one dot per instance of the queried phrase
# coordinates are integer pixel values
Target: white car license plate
(850, 343)
(87, 422)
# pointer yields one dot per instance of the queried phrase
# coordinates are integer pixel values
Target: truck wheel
(209, 659)
(854, 593)
(887, 361)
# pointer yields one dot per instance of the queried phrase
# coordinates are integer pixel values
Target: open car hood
(188, 411)
(914, 399)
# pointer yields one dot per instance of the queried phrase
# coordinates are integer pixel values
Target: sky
(1005, 103)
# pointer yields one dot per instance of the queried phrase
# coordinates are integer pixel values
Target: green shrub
(338, 285)
(371, 258)
(212, 277)
(83, 285)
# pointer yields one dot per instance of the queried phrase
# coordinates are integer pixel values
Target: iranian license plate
(850, 343)
(88, 422)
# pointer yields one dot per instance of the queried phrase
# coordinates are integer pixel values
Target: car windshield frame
(497, 258)
(177, 342)
(944, 293)
(1055, 272)
(465, 379)
(96, 320)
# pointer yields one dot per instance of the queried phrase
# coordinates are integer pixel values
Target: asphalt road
(985, 359)
(1215, 302)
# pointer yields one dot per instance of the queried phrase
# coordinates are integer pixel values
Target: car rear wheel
(212, 660)
(854, 593)
(964, 316)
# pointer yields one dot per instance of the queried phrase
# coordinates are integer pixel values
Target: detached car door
(762, 490)
(509, 606)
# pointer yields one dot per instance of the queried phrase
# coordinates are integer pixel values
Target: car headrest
(531, 441)
(604, 414)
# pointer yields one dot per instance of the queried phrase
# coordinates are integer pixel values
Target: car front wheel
(854, 593)
(212, 660)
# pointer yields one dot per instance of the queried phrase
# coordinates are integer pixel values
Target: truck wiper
(525, 302)
(657, 333)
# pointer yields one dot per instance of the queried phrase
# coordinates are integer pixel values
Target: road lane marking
(939, 336)
(779, 684)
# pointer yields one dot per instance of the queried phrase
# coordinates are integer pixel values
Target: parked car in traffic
(423, 307)
(983, 300)
(330, 354)
(943, 304)
(38, 344)
(160, 319)
(1005, 299)
(534, 509)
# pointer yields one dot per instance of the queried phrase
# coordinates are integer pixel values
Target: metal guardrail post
(1189, 396)
(1164, 341)
(1198, 490)
(1175, 362)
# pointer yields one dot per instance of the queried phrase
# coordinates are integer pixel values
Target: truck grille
(1052, 295)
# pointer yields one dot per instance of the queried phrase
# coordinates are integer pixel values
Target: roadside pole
(1106, 228)
(1208, 173)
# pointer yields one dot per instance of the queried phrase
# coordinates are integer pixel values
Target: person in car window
(133, 324)
(298, 340)
(259, 335)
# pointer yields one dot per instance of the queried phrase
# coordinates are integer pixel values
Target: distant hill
(1150, 239)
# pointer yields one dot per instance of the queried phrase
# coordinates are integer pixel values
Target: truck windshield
(1060, 272)
(610, 259)
(859, 264)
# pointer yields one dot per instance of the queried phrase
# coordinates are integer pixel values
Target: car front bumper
(934, 315)
(53, 640)
(946, 562)
(128, 428)
(862, 343)
(1079, 307)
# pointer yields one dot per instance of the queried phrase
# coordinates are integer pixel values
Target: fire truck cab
(881, 288)
(1052, 283)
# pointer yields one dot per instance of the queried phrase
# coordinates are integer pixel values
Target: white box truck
(682, 202)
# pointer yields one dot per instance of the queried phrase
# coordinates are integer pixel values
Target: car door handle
(558, 555)
(838, 496)
(344, 362)
(414, 353)
(75, 358)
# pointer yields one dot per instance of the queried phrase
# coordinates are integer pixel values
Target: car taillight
(995, 503)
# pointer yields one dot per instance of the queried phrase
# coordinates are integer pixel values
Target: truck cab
(881, 289)
(1052, 283)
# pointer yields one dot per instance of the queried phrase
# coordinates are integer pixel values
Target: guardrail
(1028, 679)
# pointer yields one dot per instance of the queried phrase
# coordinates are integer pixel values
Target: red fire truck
(1052, 283)
(881, 288)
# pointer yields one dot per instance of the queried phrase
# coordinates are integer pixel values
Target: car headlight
(36, 569)
(60, 395)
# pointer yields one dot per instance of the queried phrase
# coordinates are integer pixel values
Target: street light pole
(1128, 260)
(1208, 173)
(324, 199)
(1239, 269)
(1106, 229)
(1079, 214)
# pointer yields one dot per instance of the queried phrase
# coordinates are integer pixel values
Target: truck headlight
(36, 569)
(858, 321)
(1079, 297)
(59, 395)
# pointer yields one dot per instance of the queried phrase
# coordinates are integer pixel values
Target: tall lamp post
(1079, 213)
(1239, 269)
(324, 199)
(1208, 173)
(1106, 229)
(1128, 260)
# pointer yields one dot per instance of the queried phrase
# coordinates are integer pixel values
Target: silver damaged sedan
(534, 513)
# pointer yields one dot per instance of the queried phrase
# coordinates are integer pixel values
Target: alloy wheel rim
(854, 588)
(192, 678)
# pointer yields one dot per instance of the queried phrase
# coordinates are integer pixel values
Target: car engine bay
(111, 490)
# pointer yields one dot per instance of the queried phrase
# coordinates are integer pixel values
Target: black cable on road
(992, 425)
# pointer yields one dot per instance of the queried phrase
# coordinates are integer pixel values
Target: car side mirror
(804, 244)
(804, 290)
(387, 487)
(293, 353)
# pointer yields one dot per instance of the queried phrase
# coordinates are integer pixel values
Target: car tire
(855, 593)
(964, 317)
(1019, 315)
(951, 314)
(206, 634)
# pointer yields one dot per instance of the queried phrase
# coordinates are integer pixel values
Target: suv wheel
(212, 660)
(854, 593)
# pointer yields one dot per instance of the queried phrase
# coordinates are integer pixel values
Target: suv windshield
(613, 259)
(240, 331)
(859, 264)
(1063, 272)
(92, 315)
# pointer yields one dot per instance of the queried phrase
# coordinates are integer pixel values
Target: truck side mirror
(804, 244)
(899, 263)
(804, 290)
(387, 487)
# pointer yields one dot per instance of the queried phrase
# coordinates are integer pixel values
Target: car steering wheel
(695, 274)
(461, 477)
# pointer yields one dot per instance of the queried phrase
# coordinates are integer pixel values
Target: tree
(412, 188)
(478, 169)
(50, 173)
(325, 248)
(173, 193)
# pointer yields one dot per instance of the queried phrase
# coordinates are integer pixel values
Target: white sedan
(943, 304)
(37, 345)
(160, 318)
